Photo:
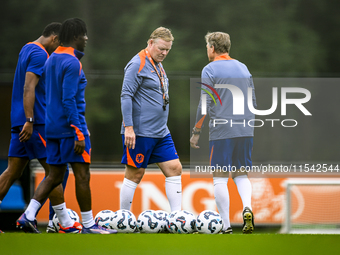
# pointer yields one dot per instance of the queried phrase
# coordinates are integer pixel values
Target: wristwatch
(195, 132)
(30, 120)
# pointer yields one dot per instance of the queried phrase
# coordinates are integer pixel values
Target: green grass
(21, 243)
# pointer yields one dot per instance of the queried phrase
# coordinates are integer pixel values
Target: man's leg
(45, 188)
(222, 200)
(244, 188)
(50, 227)
(57, 196)
(14, 170)
(17, 161)
(242, 156)
(132, 178)
(51, 186)
(241, 159)
(172, 170)
(83, 192)
(221, 152)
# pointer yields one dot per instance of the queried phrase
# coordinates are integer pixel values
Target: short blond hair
(162, 33)
(220, 41)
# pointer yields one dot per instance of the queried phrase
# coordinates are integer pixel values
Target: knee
(83, 178)
(177, 169)
(55, 180)
(138, 176)
(55, 174)
(135, 175)
(173, 170)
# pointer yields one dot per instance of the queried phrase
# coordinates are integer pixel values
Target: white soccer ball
(171, 218)
(104, 218)
(124, 221)
(148, 223)
(182, 222)
(209, 222)
(162, 216)
(74, 216)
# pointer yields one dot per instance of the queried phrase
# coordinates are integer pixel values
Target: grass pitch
(21, 243)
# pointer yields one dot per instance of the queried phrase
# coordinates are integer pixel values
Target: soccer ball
(209, 222)
(162, 216)
(181, 222)
(104, 218)
(171, 218)
(74, 216)
(148, 223)
(124, 221)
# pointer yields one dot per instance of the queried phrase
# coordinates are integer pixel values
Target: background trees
(274, 38)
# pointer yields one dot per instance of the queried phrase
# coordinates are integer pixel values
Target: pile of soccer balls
(150, 221)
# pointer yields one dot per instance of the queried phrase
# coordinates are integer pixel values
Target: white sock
(50, 223)
(244, 189)
(127, 192)
(222, 199)
(32, 209)
(0, 202)
(173, 189)
(63, 217)
(87, 219)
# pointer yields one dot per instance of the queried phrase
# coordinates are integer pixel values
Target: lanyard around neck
(160, 76)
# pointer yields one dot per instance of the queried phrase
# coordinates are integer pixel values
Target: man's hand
(194, 141)
(26, 132)
(130, 137)
(79, 147)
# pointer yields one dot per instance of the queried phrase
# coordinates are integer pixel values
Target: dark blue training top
(65, 94)
(32, 58)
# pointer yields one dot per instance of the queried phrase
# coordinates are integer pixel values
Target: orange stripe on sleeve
(211, 154)
(79, 134)
(142, 57)
(129, 159)
(200, 122)
(43, 140)
(86, 157)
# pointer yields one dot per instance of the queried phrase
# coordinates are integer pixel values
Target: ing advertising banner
(197, 195)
